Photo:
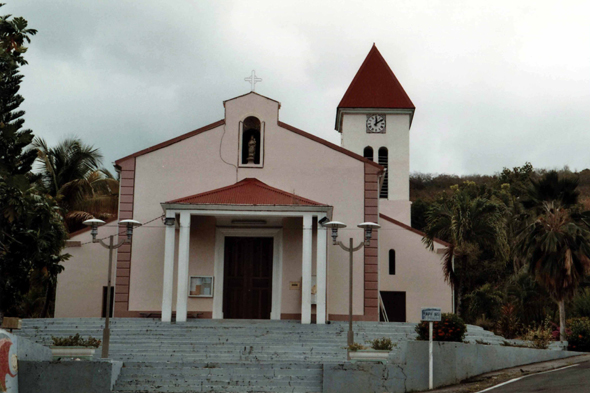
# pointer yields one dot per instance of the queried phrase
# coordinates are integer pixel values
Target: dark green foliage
(31, 239)
(472, 220)
(581, 303)
(578, 338)
(530, 300)
(485, 302)
(15, 161)
(75, 341)
(508, 325)
(32, 234)
(71, 173)
(552, 188)
(419, 210)
(558, 250)
(450, 328)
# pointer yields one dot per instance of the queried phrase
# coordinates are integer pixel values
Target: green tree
(473, 223)
(32, 233)
(71, 173)
(557, 247)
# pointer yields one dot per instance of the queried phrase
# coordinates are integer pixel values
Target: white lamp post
(368, 227)
(94, 224)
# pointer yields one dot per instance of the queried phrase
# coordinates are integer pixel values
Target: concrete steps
(219, 377)
(225, 356)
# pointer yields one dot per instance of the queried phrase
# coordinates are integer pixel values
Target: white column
(168, 270)
(183, 249)
(321, 275)
(306, 271)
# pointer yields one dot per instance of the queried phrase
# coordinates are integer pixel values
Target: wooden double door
(247, 281)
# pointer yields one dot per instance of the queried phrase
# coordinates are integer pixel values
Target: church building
(233, 216)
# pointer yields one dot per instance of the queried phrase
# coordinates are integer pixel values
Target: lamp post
(94, 224)
(368, 227)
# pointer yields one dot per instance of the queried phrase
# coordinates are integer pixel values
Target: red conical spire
(375, 86)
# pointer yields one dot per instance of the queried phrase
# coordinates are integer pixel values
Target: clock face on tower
(375, 123)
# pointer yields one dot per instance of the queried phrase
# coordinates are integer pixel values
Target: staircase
(224, 356)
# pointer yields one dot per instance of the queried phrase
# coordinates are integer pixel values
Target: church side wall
(80, 286)
(418, 270)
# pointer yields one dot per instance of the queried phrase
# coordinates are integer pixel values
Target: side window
(383, 160)
(251, 142)
(392, 262)
(368, 153)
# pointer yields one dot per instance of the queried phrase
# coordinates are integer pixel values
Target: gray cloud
(494, 84)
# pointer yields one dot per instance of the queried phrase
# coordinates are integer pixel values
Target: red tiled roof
(249, 191)
(409, 228)
(375, 86)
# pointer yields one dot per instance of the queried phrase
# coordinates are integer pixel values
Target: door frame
(277, 265)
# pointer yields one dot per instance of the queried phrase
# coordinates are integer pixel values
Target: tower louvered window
(368, 153)
(383, 160)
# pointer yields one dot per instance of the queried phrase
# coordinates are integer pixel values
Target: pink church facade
(244, 199)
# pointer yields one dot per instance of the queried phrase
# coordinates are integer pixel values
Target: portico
(238, 214)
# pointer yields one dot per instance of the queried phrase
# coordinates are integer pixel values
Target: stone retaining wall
(407, 369)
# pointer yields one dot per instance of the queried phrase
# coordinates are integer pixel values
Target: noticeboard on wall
(201, 286)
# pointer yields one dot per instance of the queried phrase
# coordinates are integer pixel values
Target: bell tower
(374, 118)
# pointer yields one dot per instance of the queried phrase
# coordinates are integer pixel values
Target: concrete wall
(407, 369)
(31, 351)
(13, 351)
(418, 270)
(68, 376)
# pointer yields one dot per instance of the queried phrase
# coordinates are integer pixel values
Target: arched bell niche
(251, 141)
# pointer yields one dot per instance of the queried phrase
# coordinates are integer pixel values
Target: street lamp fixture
(94, 224)
(368, 227)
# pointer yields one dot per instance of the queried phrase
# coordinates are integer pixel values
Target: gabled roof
(409, 228)
(249, 191)
(375, 86)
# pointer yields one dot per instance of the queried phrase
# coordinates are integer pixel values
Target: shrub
(485, 300)
(579, 337)
(556, 331)
(450, 328)
(75, 341)
(581, 303)
(355, 347)
(541, 336)
(382, 344)
(485, 323)
(508, 325)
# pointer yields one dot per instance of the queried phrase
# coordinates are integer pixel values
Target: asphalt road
(572, 380)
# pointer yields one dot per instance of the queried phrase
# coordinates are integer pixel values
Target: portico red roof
(249, 191)
(375, 86)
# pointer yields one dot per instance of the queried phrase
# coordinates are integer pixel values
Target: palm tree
(557, 247)
(71, 173)
(470, 224)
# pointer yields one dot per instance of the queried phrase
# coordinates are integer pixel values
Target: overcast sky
(495, 84)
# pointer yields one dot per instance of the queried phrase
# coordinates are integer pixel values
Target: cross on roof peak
(253, 80)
